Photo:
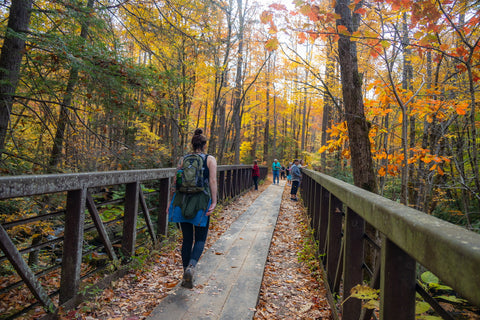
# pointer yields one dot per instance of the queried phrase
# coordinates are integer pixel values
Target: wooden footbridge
(100, 219)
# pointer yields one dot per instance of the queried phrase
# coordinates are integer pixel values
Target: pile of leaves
(291, 287)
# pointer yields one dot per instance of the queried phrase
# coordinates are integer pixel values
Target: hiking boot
(188, 277)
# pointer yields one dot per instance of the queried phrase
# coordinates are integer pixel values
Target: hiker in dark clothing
(195, 230)
(255, 174)
(296, 178)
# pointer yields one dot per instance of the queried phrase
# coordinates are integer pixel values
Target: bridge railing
(341, 216)
(88, 207)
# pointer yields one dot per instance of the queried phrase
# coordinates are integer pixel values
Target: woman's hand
(211, 208)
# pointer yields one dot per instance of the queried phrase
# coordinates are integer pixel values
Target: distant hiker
(194, 200)
(296, 178)
(255, 174)
(282, 173)
(276, 171)
(289, 176)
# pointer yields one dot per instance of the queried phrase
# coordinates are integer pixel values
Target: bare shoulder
(211, 161)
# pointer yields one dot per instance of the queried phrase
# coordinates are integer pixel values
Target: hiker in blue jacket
(195, 230)
(276, 171)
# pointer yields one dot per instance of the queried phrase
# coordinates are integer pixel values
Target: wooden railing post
(397, 283)
(221, 185)
(352, 263)
(316, 192)
(163, 202)
(130, 218)
(334, 239)
(229, 184)
(72, 244)
(323, 221)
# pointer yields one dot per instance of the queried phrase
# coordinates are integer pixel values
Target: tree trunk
(66, 103)
(358, 127)
(327, 107)
(11, 60)
(266, 139)
(237, 95)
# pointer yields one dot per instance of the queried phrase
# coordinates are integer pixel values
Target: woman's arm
(212, 181)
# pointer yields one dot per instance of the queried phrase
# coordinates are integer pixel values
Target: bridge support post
(334, 239)
(397, 283)
(315, 205)
(130, 218)
(72, 244)
(352, 263)
(221, 185)
(323, 223)
(229, 189)
(163, 201)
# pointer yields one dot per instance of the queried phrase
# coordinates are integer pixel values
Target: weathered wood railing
(76, 190)
(408, 237)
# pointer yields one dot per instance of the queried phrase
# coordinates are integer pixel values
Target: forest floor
(291, 288)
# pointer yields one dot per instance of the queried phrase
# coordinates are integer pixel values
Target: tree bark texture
(11, 60)
(358, 127)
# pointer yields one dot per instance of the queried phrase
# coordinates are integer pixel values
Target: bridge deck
(229, 275)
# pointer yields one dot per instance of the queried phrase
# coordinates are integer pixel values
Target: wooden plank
(163, 203)
(23, 270)
(102, 232)
(397, 283)
(316, 195)
(72, 244)
(323, 222)
(229, 184)
(146, 215)
(130, 218)
(221, 186)
(352, 263)
(334, 238)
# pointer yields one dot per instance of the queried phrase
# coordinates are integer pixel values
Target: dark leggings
(191, 252)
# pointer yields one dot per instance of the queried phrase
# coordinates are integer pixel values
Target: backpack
(190, 177)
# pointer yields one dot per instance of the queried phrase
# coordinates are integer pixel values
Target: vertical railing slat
(130, 218)
(163, 202)
(352, 263)
(221, 185)
(334, 238)
(72, 244)
(323, 222)
(397, 283)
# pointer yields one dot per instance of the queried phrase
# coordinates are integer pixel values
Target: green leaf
(453, 299)
(429, 277)
(437, 286)
(428, 318)
(421, 307)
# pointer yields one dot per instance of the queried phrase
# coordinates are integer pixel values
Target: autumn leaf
(343, 30)
(266, 17)
(272, 44)
(360, 11)
(461, 109)
(278, 7)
